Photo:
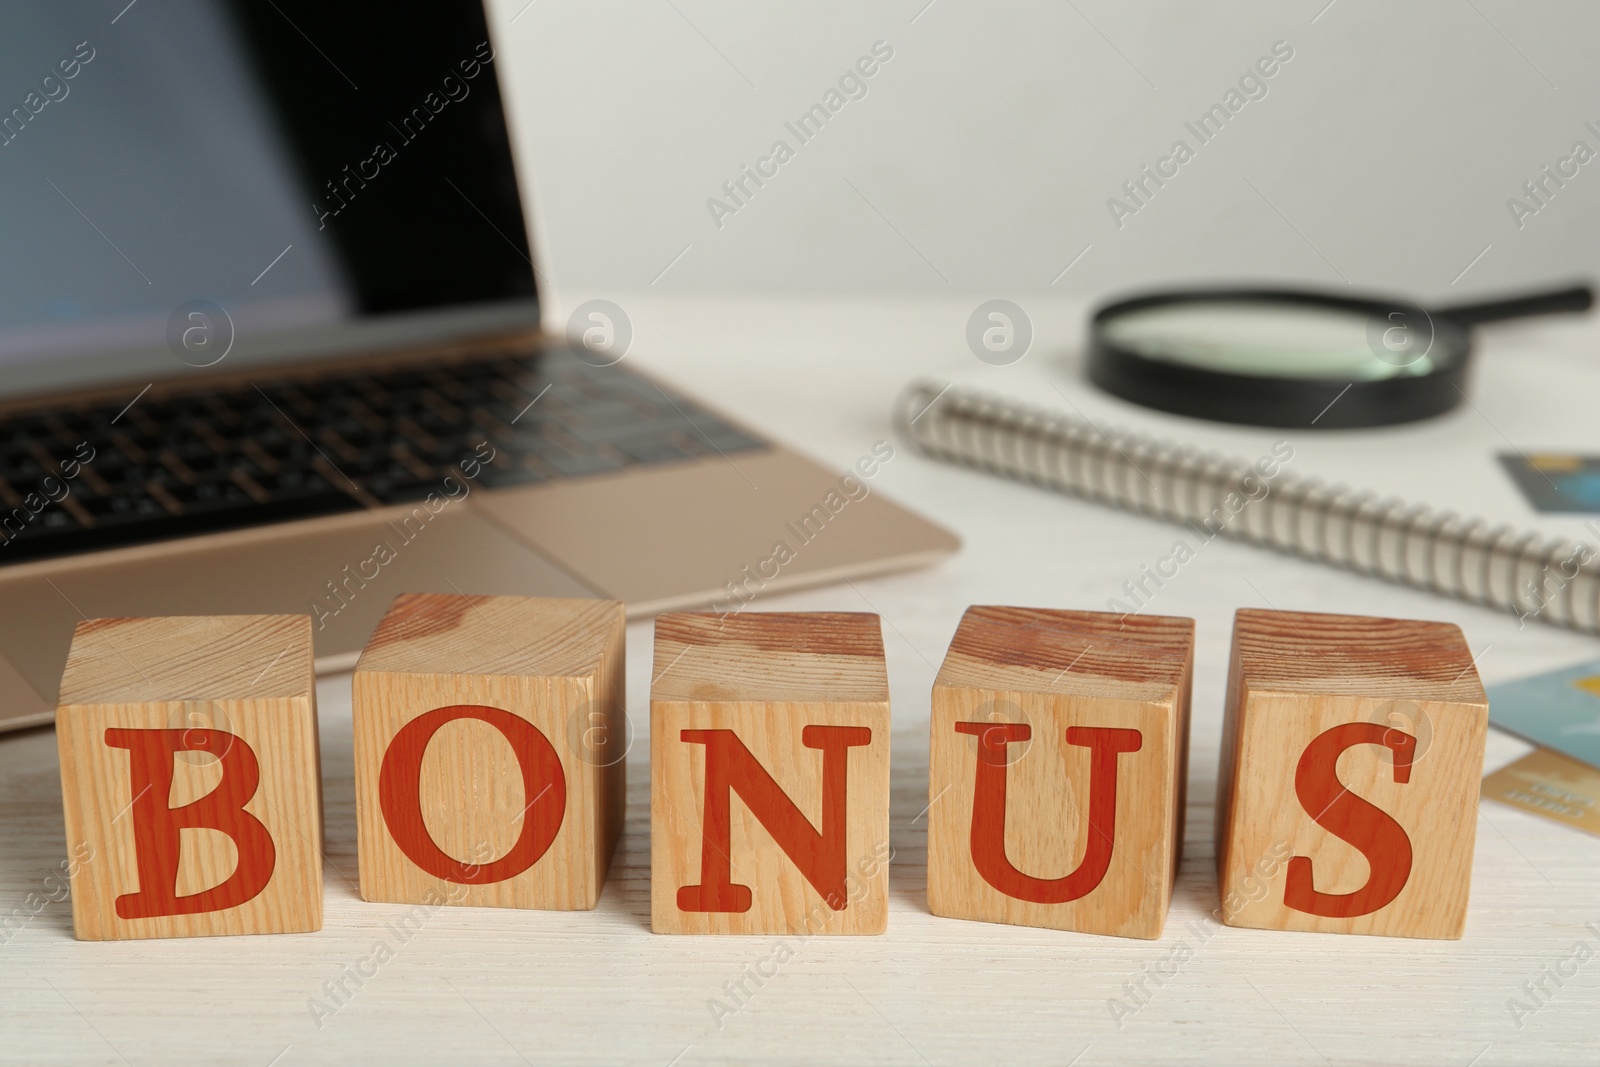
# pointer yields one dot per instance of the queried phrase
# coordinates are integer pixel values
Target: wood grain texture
(1028, 691)
(806, 699)
(1352, 749)
(220, 698)
(510, 712)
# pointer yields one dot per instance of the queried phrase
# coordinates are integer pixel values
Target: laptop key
(651, 450)
(295, 483)
(20, 529)
(121, 507)
(209, 495)
(573, 466)
(494, 477)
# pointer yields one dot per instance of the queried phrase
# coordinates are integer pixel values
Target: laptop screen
(184, 173)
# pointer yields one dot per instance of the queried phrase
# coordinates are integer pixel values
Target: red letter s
(1348, 817)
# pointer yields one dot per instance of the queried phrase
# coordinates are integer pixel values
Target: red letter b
(156, 826)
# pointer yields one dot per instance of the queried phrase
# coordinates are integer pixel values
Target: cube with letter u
(490, 745)
(1056, 769)
(769, 763)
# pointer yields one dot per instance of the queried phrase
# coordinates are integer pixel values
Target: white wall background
(983, 154)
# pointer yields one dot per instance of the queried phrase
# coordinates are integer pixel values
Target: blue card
(1559, 710)
(1556, 481)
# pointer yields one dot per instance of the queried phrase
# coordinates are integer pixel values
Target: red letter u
(989, 810)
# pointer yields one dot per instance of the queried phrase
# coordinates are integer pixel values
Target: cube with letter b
(1056, 769)
(769, 763)
(189, 776)
(1352, 748)
(490, 745)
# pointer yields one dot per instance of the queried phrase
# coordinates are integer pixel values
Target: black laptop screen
(294, 164)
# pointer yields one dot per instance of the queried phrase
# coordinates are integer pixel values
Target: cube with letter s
(1351, 754)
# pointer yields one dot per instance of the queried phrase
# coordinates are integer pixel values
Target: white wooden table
(525, 987)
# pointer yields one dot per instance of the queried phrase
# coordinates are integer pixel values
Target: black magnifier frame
(1442, 335)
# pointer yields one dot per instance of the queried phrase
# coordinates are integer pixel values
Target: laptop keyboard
(273, 451)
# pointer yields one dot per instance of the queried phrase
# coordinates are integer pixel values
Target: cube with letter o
(490, 751)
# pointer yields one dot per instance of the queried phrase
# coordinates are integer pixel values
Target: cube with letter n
(490, 745)
(769, 762)
(1347, 798)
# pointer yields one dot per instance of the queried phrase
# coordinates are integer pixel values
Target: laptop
(270, 341)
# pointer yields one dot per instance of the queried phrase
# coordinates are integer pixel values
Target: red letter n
(730, 767)
(156, 826)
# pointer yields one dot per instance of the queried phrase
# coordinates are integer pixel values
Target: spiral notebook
(1280, 499)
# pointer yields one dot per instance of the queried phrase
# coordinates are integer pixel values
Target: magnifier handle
(1574, 298)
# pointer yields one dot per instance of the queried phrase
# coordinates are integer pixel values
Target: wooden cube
(1348, 792)
(769, 774)
(1057, 768)
(490, 746)
(189, 777)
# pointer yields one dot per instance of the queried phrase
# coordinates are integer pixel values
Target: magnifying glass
(1283, 357)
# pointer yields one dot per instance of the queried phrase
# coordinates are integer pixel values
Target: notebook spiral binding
(1527, 573)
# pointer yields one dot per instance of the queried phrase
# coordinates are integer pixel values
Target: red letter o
(400, 784)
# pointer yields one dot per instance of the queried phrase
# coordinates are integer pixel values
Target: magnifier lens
(1279, 340)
